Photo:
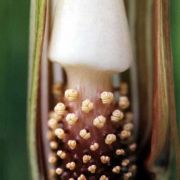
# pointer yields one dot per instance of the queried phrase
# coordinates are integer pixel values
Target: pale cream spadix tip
(93, 33)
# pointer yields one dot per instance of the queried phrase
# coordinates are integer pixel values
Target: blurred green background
(175, 39)
(175, 34)
(14, 23)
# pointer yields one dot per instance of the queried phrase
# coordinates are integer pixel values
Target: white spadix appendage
(93, 33)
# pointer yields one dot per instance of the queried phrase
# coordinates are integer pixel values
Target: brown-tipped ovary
(91, 138)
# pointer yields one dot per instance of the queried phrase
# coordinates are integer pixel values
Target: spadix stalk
(92, 33)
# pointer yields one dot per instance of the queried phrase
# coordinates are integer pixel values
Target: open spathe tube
(81, 120)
